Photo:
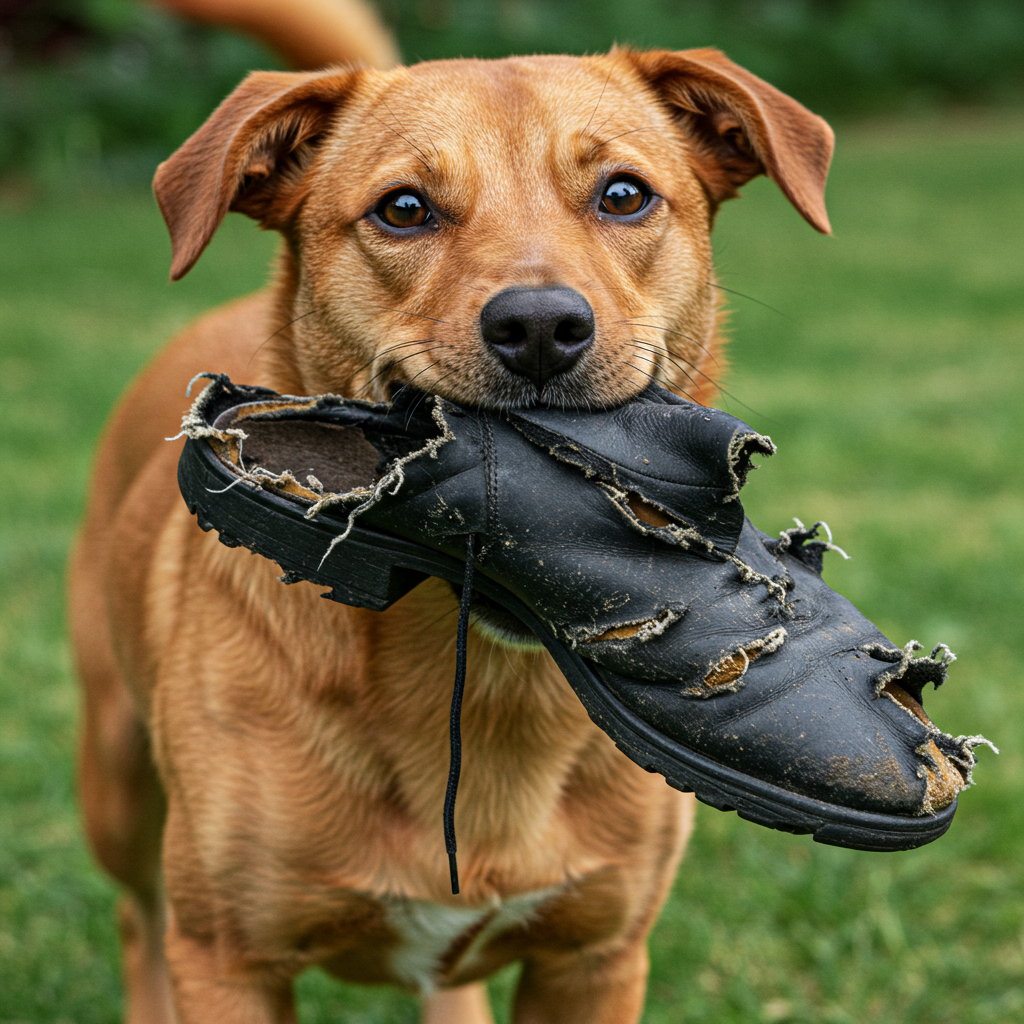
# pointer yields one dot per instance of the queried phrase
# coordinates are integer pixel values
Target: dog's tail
(308, 34)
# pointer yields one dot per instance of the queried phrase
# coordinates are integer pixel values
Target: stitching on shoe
(490, 488)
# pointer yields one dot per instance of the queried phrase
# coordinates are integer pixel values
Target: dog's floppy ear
(249, 156)
(742, 127)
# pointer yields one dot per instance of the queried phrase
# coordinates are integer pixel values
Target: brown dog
(264, 771)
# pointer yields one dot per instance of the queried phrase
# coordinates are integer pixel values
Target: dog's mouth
(565, 391)
(514, 393)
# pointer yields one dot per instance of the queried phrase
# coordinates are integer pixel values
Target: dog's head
(500, 232)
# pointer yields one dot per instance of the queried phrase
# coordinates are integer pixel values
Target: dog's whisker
(717, 385)
(392, 363)
(674, 365)
(597, 105)
(750, 298)
(678, 334)
(665, 353)
(423, 395)
(409, 134)
(597, 130)
(431, 365)
(675, 358)
(660, 348)
(659, 380)
(657, 327)
(285, 327)
(631, 131)
(646, 373)
(444, 376)
(408, 142)
(391, 348)
(640, 347)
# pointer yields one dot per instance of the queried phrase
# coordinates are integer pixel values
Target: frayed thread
(801, 534)
(194, 423)
(800, 542)
(966, 758)
(748, 575)
(741, 448)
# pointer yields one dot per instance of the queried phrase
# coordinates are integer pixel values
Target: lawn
(886, 364)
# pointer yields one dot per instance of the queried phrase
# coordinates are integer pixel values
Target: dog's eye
(624, 196)
(403, 209)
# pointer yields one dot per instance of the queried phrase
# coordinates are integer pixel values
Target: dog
(263, 771)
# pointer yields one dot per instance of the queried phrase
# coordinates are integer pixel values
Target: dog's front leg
(583, 988)
(466, 1005)
(207, 987)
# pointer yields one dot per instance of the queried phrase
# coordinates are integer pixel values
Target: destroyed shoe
(708, 651)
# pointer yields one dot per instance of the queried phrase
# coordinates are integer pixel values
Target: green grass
(890, 378)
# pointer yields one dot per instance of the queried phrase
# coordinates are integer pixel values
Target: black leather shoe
(708, 651)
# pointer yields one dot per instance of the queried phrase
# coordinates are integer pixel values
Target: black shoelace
(455, 721)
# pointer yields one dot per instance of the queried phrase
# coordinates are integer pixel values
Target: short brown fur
(263, 770)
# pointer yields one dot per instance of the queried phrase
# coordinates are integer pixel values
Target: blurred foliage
(91, 85)
(114, 86)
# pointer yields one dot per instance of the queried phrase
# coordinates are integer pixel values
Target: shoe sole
(372, 570)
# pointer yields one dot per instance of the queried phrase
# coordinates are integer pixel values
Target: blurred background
(885, 362)
(109, 87)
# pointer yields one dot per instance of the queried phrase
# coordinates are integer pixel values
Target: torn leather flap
(684, 459)
(331, 452)
(947, 762)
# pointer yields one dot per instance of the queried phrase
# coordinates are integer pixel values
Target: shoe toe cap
(813, 724)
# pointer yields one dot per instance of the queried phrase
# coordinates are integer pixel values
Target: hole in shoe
(646, 512)
(895, 692)
(726, 674)
(642, 630)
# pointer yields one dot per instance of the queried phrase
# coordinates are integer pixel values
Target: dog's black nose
(538, 332)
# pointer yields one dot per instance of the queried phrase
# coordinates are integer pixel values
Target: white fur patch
(429, 930)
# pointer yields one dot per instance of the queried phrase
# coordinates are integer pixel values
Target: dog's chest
(435, 940)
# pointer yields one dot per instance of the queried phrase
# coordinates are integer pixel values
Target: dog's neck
(525, 734)
(367, 695)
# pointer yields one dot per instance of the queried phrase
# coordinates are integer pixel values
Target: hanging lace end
(454, 722)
